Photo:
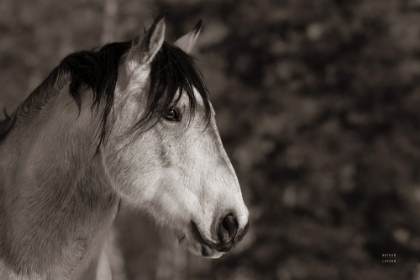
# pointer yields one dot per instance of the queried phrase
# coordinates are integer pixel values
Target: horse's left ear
(187, 42)
(145, 49)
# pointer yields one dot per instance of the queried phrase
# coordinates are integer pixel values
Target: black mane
(97, 70)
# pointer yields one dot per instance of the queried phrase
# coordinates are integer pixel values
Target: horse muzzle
(229, 233)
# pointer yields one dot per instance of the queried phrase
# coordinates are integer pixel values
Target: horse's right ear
(187, 42)
(145, 48)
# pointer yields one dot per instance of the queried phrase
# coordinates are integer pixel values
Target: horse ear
(147, 48)
(187, 42)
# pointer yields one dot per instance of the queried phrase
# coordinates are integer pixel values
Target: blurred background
(318, 105)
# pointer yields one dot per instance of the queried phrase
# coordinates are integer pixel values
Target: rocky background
(318, 105)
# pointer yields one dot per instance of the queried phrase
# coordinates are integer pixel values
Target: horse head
(164, 154)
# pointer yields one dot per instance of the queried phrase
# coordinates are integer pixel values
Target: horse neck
(56, 203)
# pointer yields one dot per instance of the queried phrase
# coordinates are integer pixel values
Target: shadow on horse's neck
(56, 202)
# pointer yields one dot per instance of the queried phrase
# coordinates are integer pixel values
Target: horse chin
(207, 252)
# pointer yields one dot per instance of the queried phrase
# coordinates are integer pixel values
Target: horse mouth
(198, 237)
(206, 251)
(209, 248)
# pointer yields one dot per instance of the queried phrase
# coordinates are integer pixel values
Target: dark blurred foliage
(318, 106)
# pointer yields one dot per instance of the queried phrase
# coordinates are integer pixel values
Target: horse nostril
(228, 229)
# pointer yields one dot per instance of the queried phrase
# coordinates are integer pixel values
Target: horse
(128, 123)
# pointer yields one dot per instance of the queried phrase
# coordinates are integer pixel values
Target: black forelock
(97, 70)
(174, 71)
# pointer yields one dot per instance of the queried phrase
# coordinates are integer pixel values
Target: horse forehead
(184, 100)
(137, 73)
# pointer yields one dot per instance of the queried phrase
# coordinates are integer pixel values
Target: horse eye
(173, 115)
